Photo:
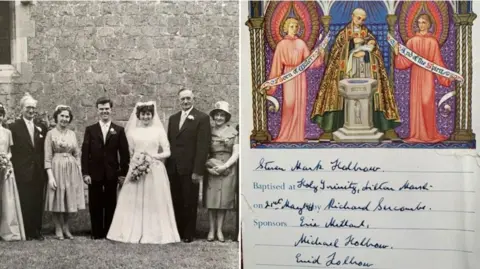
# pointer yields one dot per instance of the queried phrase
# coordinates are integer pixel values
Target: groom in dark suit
(102, 170)
(28, 165)
(189, 135)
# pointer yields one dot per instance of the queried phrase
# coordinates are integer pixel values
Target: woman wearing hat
(221, 165)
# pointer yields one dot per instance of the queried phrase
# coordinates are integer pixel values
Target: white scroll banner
(295, 72)
(426, 64)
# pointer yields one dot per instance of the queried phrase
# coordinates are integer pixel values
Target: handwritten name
(313, 260)
(384, 207)
(264, 165)
(349, 260)
(355, 167)
(268, 166)
(332, 223)
(350, 241)
(301, 167)
(310, 240)
(304, 223)
(333, 204)
(344, 223)
(364, 242)
(380, 206)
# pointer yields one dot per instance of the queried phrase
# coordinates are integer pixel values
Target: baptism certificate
(358, 135)
(358, 211)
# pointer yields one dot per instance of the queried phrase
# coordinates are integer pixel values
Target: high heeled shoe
(220, 237)
(59, 237)
(68, 235)
(210, 237)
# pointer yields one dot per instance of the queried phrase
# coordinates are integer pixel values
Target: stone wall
(130, 51)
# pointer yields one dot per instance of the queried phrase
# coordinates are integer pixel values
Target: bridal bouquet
(5, 164)
(140, 165)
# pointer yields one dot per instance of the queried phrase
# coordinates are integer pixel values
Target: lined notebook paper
(337, 209)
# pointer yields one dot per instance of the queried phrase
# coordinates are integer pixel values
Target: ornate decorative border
(327, 145)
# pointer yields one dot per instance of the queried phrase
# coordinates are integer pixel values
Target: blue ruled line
(310, 266)
(403, 212)
(395, 248)
(377, 172)
(405, 191)
(379, 228)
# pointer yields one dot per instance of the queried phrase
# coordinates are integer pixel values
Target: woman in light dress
(65, 193)
(144, 212)
(221, 180)
(11, 220)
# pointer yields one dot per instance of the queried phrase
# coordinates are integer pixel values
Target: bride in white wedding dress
(144, 212)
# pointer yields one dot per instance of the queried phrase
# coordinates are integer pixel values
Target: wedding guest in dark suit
(105, 160)
(189, 135)
(28, 164)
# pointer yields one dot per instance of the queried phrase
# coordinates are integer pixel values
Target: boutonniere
(190, 117)
(112, 131)
(39, 129)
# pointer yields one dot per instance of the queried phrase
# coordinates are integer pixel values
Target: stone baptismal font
(358, 124)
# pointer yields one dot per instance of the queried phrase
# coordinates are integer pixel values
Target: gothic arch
(389, 4)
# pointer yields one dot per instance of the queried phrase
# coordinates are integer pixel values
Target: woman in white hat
(221, 165)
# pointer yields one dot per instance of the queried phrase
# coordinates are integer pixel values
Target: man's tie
(104, 132)
(31, 131)
(182, 119)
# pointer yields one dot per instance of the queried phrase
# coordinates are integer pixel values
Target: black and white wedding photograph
(119, 135)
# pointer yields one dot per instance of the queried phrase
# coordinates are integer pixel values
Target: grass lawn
(82, 252)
